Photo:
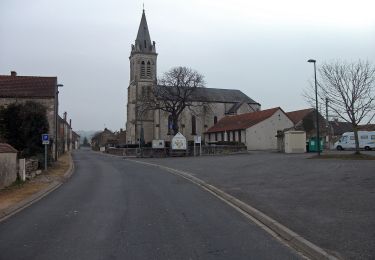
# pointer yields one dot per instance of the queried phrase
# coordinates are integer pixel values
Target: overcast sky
(259, 47)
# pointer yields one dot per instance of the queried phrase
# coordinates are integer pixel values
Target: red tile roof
(27, 86)
(7, 148)
(243, 121)
(298, 115)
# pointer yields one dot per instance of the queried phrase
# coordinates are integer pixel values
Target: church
(154, 125)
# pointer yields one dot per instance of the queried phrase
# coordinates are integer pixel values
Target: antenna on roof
(143, 7)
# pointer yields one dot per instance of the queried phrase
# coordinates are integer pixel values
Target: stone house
(105, 138)
(257, 130)
(156, 123)
(20, 89)
(67, 138)
(75, 140)
(8, 165)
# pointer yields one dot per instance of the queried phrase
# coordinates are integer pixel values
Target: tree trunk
(175, 124)
(355, 129)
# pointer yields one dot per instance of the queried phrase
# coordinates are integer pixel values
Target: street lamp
(56, 115)
(316, 108)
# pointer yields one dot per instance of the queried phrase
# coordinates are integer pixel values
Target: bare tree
(350, 90)
(175, 92)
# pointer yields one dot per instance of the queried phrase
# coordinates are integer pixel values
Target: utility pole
(316, 107)
(327, 125)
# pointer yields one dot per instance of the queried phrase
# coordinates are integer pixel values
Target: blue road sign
(45, 138)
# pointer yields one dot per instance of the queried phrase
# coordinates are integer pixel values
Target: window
(193, 125)
(148, 69)
(352, 137)
(222, 136)
(209, 137)
(215, 120)
(234, 136)
(170, 124)
(373, 137)
(239, 136)
(145, 44)
(216, 136)
(142, 69)
(228, 136)
(364, 137)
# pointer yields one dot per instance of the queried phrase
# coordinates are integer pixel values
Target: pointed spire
(143, 42)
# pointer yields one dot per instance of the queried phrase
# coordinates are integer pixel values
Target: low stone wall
(151, 152)
(144, 152)
(8, 169)
(31, 167)
(221, 149)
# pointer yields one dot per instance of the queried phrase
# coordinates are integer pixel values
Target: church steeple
(143, 55)
(143, 41)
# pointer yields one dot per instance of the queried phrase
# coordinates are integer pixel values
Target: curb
(288, 236)
(36, 196)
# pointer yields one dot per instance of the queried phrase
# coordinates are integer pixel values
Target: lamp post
(56, 115)
(316, 107)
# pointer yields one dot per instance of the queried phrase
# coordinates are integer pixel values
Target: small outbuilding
(295, 142)
(8, 165)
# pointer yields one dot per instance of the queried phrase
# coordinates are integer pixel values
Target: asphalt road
(329, 202)
(112, 208)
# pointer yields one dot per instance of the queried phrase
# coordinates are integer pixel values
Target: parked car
(366, 140)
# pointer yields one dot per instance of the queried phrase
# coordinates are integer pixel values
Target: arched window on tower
(193, 125)
(215, 120)
(148, 69)
(143, 69)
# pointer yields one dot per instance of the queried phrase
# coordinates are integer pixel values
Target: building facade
(42, 90)
(156, 124)
(257, 130)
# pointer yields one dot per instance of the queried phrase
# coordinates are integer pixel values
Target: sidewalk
(16, 197)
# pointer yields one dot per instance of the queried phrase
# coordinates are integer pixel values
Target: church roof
(219, 95)
(143, 37)
(242, 121)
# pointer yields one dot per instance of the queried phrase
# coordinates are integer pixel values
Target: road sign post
(45, 141)
(198, 140)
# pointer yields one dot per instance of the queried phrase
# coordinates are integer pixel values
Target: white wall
(8, 169)
(295, 142)
(262, 136)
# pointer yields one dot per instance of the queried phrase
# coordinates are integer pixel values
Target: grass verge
(351, 156)
(19, 191)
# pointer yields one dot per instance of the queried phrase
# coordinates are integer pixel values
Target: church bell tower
(143, 59)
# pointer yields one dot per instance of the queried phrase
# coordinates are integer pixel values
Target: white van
(366, 140)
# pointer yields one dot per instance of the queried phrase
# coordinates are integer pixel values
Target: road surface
(113, 208)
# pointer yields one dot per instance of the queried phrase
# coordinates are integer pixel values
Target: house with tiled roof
(42, 90)
(305, 120)
(257, 130)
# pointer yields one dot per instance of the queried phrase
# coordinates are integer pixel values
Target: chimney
(65, 116)
(70, 123)
(13, 73)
